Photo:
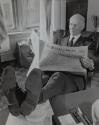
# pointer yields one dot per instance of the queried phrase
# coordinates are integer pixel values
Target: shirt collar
(75, 37)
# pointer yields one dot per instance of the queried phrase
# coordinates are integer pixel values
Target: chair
(88, 80)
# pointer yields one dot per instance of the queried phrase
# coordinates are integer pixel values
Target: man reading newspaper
(40, 85)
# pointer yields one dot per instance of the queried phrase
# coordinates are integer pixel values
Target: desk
(63, 103)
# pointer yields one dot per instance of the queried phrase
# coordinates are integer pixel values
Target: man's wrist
(92, 66)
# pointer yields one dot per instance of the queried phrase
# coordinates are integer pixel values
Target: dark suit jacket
(91, 53)
(84, 42)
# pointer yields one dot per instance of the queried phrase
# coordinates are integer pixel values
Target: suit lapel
(65, 41)
(79, 42)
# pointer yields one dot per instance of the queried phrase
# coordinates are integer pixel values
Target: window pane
(8, 13)
(28, 13)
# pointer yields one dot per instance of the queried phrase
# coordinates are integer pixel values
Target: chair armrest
(88, 80)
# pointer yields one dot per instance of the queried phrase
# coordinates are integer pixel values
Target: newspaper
(63, 58)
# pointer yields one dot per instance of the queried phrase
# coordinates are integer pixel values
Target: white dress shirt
(75, 38)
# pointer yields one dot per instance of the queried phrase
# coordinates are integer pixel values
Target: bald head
(76, 24)
(78, 17)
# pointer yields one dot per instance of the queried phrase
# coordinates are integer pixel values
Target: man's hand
(87, 63)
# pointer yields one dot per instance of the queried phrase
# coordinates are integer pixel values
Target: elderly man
(56, 82)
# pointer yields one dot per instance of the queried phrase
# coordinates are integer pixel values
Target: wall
(93, 9)
(13, 38)
(18, 36)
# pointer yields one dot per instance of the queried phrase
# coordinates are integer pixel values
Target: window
(7, 13)
(21, 14)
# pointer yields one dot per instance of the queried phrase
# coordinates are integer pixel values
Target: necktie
(70, 43)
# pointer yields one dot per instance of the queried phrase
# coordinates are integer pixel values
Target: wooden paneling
(75, 6)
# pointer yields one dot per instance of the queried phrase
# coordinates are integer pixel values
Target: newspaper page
(63, 58)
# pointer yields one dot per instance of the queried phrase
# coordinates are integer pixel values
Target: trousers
(61, 83)
(55, 83)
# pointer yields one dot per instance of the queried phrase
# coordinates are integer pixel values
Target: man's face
(75, 26)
